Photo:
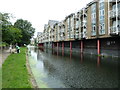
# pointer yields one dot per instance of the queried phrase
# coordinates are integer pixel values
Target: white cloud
(38, 12)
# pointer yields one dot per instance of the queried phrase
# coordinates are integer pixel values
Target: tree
(26, 29)
(4, 25)
(10, 34)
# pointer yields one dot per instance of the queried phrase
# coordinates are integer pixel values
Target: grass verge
(14, 71)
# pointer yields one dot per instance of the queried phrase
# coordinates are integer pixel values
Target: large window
(68, 24)
(72, 23)
(102, 17)
(93, 19)
(102, 29)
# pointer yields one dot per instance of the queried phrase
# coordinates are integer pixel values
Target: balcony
(62, 30)
(114, 1)
(112, 13)
(84, 33)
(77, 31)
(114, 30)
(84, 24)
(77, 25)
(62, 38)
(84, 14)
(76, 36)
(93, 33)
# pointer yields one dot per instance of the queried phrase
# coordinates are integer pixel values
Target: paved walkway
(3, 55)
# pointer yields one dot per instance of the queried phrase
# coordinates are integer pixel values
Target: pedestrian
(18, 49)
(10, 48)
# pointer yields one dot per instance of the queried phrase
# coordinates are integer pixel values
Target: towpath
(3, 55)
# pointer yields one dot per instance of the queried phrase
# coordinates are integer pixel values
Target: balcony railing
(81, 35)
(62, 38)
(84, 14)
(114, 0)
(114, 30)
(77, 36)
(62, 30)
(84, 24)
(112, 13)
(84, 34)
(93, 33)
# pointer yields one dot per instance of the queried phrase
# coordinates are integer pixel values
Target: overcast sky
(38, 12)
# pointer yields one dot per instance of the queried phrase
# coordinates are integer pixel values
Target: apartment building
(98, 22)
(83, 23)
(61, 31)
(69, 27)
(50, 33)
(39, 39)
(55, 32)
(114, 17)
(77, 26)
(97, 19)
(92, 20)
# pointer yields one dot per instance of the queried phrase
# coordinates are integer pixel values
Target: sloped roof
(52, 22)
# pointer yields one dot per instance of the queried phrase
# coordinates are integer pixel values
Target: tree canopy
(21, 32)
(26, 29)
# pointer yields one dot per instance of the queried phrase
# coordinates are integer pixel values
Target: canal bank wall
(105, 46)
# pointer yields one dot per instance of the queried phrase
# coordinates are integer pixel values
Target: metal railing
(113, 30)
(114, 0)
(113, 14)
(93, 33)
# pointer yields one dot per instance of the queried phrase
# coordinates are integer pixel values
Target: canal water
(58, 69)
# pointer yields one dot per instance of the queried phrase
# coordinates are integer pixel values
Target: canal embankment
(102, 47)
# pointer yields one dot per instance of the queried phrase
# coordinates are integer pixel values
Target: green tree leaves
(26, 29)
(14, 35)
(21, 32)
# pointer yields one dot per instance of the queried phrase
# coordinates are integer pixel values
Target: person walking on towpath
(18, 49)
(10, 48)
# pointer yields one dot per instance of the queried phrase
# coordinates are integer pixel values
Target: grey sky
(38, 12)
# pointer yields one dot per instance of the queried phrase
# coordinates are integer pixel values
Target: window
(94, 28)
(103, 12)
(93, 32)
(102, 29)
(103, 26)
(93, 13)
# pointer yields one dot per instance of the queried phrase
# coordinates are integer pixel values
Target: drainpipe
(98, 46)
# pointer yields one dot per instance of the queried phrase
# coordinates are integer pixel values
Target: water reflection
(62, 52)
(70, 55)
(81, 57)
(98, 61)
(68, 69)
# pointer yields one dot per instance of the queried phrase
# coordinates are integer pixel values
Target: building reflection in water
(70, 55)
(60, 64)
(41, 49)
